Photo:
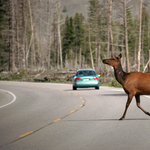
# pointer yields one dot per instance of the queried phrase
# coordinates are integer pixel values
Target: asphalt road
(47, 116)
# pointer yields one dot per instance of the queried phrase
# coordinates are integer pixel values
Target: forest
(36, 35)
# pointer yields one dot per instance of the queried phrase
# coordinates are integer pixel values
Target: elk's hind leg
(139, 106)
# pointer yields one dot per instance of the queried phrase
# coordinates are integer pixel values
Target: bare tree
(126, 36)
(91, 49)
(110, 26)
(23, 35)
(31, 39)
(139, 48)
(49, 34)
(13, 34)
(59, 37)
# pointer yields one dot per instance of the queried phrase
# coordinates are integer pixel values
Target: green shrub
(115, 83)
(17, 76)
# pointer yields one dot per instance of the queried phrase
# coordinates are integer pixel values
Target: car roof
(85, 70)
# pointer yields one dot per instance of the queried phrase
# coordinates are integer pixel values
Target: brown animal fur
(134, 83)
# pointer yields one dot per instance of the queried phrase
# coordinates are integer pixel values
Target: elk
(134, 83)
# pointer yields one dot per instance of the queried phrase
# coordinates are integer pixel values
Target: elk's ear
(112, 55)
(119, 56)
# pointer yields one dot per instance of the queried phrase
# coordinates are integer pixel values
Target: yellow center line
(57, 120)
(33, 86)
(26, 134)
(72, 111)
(81, 105)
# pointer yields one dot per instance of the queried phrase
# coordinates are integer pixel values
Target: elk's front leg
(130, 96)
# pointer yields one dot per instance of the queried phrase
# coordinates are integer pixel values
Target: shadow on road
(123, 94)
(131, 119)
(81, 89)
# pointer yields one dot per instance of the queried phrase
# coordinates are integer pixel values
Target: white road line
(120, 90)
(14, 98)
(147, 96)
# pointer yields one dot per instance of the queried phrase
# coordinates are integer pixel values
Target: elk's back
(137, 83)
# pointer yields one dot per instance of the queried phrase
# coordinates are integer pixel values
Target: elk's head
(114, 61)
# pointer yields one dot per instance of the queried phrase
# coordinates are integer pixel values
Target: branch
(146, 65)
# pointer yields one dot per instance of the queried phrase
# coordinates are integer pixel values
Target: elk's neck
(120, 75)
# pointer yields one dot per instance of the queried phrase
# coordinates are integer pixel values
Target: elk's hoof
(147, 113)
(121, 118)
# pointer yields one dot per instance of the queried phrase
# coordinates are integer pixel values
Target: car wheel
(97, 87)
(74, 88)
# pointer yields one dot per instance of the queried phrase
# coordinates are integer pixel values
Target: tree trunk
(149, 62)
(66, 60)
(17, 37)
(126, 38)
(49, 36)
(23, 36)
(96, 40)
(59, 38)
(91, 49)
(30, 11)
(13, 35)
(80, 58)
(9, 20)
(110, 27)
(139, 49)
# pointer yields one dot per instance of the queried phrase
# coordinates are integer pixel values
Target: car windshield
(86, 73)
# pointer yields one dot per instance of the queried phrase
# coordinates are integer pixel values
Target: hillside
(81, 6)
(75, 6)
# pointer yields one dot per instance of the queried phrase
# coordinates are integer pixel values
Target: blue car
(85, 78)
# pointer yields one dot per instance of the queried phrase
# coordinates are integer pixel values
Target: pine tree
(79, 29)
(68, 40)
(79, 36)
(65, 41)
(71, 33)
(131, 33)
(94, 14)
(4, 51)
